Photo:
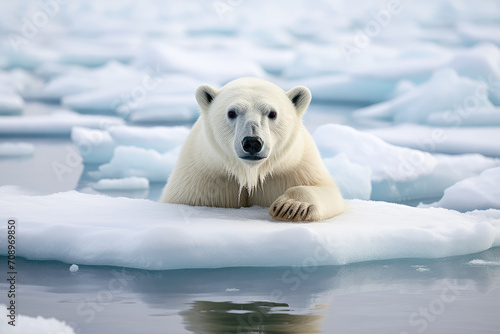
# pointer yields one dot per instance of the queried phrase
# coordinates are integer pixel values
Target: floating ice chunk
(130, 161)
(386, 161)
(14, 85)
(178, 236)
(482, 62)
(165, 108)
(128, 183)
(74, 268)
(353, 180)
(449, 170)
(397, 173)
(214, 65)
(16, 149)
(10, 103)
(97, 146)
(483, 140)
(19, 81)
(32, 325)
(25, 55)
(122, 88)
(478, 262)
(112, 75)
(347, 88)
(476, 193)
(479, 32)
(443, 92)
(57, 123)
(462, 117)
(94, 51)
(94, 145)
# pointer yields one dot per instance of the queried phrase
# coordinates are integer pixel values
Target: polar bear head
(252, 122)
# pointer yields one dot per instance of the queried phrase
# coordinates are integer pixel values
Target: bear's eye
(231, 114)
(272, 115)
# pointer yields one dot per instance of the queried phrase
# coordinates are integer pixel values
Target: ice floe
(99, 230)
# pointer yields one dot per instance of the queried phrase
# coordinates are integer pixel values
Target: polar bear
(249, 147)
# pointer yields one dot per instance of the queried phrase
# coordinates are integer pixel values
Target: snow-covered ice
(33, 325)
(99, 230)
(478, 192)
(128, 183)
(15, 149)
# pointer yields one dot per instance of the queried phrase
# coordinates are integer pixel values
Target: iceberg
(135, 233)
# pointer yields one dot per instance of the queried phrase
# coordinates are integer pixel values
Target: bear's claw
(292, 210)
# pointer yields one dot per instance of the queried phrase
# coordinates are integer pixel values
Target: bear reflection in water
(254, 317)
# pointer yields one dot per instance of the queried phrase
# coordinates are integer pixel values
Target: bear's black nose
(252, 145)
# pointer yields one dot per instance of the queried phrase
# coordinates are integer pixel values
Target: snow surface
(99, 230)
(57, 123)
(9, 149)
(479, 192)
(129, 183)
(32, 325)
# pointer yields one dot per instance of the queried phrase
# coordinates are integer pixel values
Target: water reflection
(253, 317)
(352, 298)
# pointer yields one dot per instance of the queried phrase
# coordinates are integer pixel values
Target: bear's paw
(292, 210)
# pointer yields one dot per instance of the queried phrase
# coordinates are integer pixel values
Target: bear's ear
(205, 94)
(300, 97)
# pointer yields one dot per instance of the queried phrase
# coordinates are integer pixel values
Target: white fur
(292, 179)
